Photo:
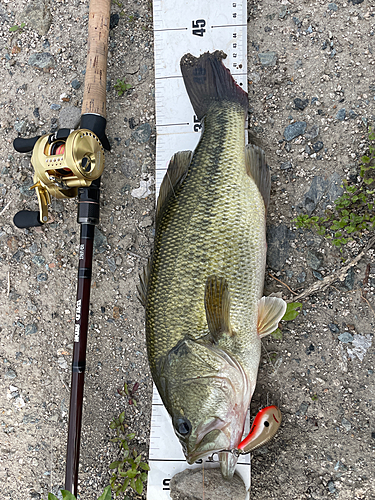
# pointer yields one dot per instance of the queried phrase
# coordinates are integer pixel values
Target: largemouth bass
(202, 290)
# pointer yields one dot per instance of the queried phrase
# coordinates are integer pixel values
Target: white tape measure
(182, 26)
(194, 26)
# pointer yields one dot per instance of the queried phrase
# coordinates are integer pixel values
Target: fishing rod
(69, 163)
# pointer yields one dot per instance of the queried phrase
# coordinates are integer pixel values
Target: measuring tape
(194, 26)
(182, 26)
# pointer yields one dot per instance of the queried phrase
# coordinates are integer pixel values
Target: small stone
(20, 126)
(286, 165)
(144, 189)
(114, 20)
(143, 69)
(352, 114)
(300, 103)
(62, 363)
(298, 64)
(35, 495)
(64, 97)
(10, 374)
(42, 277)
(30, 419)
(75, 84)
(38, 15)
(345, 337)
(313, 196)
(341, 114)
(38, 260)
(55, 107)
(100, 241)
(317, 146)
(268, 58)
(356, 2)
(142, 133)
(278, 238)
(360, 345)
(18, 256)
(297, 22)
(333, 7)
(146, 222)
(30, 306)
(302, 409)
(111, 264)
(314, 259)
(69, 117)
(31, 328)
(33, 248)
(334, 328)
(42, 60)
(331, 486)
(313, 133)
(318, 275)
(187, 485)
(301, 278)
(349, 279)
(294, 130)
(283, 12)
(346, 424)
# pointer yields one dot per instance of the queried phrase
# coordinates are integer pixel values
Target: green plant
(130, 471)
(129, 393)
(314, 397)
(69, 496)
(290, 314)
(19, 28)
(354, 209)
(122, 87)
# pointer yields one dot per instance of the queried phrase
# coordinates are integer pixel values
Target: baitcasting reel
(63, 162)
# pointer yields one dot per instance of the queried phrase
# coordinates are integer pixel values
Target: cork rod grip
(94, 97)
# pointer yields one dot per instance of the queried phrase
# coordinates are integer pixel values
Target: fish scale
(214, 224)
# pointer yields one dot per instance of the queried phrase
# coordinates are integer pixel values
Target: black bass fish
(205, 314)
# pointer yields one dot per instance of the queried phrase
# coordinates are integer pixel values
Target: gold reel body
(62, 166)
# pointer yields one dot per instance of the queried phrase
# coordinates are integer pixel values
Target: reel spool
(64, 165)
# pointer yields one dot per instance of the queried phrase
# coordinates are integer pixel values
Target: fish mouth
(210, 443)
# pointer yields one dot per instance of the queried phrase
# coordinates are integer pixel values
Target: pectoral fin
(258, 170)
(217, 305)
(270, 312)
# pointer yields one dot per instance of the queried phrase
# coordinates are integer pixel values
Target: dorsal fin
(177, 169)
(143, 283)
(217, 305)
(258, 170)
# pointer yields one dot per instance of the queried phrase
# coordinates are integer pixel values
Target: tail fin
(207, 79)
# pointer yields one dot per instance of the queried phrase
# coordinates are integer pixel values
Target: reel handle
(25, 145)
(27, 218)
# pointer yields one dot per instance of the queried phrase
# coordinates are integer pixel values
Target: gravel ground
(312, 97)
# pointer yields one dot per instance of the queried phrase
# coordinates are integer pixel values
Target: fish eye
(266, 424)
(183, 426)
